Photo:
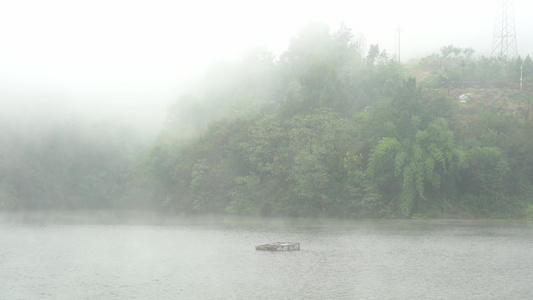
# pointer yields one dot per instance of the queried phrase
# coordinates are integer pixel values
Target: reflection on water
(197, 258)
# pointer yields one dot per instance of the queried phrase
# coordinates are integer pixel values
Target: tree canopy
(321, 131)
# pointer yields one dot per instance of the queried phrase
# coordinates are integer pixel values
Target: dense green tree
(483, 182)
(318, 87)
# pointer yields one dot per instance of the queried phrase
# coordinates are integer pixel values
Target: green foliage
(244, 196)
(325, 131)
(318, 87)
(362, 197)
(483, 181)
(455, 67)
(301, 155)
(419, 166)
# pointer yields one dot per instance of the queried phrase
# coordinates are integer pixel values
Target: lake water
(124, 257)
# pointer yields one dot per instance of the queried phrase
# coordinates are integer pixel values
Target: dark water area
(136, 256)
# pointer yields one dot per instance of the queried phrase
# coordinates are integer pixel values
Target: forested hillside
(321, 131)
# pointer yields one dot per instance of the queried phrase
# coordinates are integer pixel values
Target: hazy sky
(103, 55)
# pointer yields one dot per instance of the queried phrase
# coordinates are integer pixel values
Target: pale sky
(131, 56)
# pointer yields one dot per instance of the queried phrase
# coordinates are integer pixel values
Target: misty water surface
(120, 257)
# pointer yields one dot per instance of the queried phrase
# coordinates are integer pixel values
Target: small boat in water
(279, 246)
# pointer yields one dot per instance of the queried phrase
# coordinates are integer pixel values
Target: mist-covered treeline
(65, 165)
(322, 130)
(327, 131)
(455, 67)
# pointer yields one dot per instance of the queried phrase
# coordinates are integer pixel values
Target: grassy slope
(505, 100)
(508, 100)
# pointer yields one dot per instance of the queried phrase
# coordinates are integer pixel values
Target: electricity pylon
(504, 40)
(361, 44)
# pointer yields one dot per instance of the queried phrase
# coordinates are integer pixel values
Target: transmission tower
(399, 48)
(504, 40)
(361, 44)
